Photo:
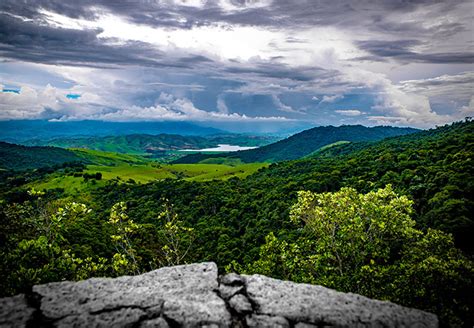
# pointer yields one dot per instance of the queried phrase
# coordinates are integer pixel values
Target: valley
(59, 204)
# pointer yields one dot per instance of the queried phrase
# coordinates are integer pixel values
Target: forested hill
(16, 157)
(307, 142)
(435, 167)
(147, 143)
(132, 144)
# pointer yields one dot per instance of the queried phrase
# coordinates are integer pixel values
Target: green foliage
(177, 237)
(48, 256)
(367, 244)
(53, 249)
(125, 260)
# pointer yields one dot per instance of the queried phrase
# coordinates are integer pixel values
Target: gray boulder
(194, 296)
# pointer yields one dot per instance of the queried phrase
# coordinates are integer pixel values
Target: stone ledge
(194, 296)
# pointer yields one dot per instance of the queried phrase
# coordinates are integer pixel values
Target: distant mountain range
(302, 144)
(305, 143)
(22, 130)
(151, 144)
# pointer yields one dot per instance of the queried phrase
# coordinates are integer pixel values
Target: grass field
(141, 170)
(108, 158)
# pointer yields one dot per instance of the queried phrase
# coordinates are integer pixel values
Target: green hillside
(305, 143)
(98, 157)
(16, 157)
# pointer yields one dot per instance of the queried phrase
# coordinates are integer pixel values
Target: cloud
(458, 85)
(221, 105)
(178, 110)
(182, 59)
(281, 106)
(400, 50)
(349, 112)
(331, 99)
(53, 104)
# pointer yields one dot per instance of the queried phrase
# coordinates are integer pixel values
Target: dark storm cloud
(24, 40)
(280, 13)
(276, 71)
(289, 58)
(400, 50)
(29, 41)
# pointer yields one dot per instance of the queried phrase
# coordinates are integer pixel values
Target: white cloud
(331, 99)
(30, 103)
(281, 106)
(52, 103)
(178, 110)
(221, 105)
(349, 112)
(230, 5)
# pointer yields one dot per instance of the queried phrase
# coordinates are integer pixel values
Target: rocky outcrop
(195, 296)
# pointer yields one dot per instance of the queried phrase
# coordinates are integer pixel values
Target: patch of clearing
(144, 173)
(139, 173)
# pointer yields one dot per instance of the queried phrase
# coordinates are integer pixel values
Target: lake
(221, 147)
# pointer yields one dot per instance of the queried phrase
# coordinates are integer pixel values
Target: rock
(240, 304)
(183, 293)
(317, 304)
(305, 325)
(125, 317)
(197, 310)
(227, 292)
(15, 311)
(193, 296)
(232, 279)
(154, 323)
(265, 321)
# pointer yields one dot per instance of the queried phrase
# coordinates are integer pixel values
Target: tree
(175, 236)
(48, 257)
(125, 260)
(368, 244)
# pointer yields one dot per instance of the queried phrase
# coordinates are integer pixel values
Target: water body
(221, 147)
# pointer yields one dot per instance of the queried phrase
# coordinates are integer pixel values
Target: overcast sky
(397, 62)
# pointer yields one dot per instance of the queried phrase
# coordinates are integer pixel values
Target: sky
(263, 62)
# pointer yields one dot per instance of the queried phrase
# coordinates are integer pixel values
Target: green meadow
(136, 169)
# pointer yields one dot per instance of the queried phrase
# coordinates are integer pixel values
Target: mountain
(20, 130)
(435, 168)
(132, 144)
(16, 157)
(151, 144)
(305, 143)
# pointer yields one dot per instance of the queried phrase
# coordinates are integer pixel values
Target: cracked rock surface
(194, 296)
